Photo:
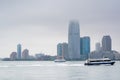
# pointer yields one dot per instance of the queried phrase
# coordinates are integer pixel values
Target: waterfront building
(74, 41)
(65, 51)
(25, 54)
(13, 56)
(98, 47)
(106, 43)
(81, 46)
(84, 47)
(19, 51)
(59, 50)
(62, 51)
(39, 56)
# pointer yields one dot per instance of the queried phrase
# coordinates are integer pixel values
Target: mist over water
(48, 70)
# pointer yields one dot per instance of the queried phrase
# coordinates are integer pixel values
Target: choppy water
(48, 70)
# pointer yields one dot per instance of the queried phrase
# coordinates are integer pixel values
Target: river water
(49, 70)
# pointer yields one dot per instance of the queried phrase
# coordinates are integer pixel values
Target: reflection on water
(48, 70)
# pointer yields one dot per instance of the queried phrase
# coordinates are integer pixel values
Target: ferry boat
(99, 61)
(59, 60)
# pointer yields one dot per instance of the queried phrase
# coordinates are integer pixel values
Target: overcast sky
(39, 25)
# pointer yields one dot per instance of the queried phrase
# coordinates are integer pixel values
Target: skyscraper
(62, 51)
(74, 40)
(81, 46)
(85, 47)
(19, 51)
(106, 43)
(65, 51)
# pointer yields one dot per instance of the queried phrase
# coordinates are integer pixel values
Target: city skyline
(40, 24)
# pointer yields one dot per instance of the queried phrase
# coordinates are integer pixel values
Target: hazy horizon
(39, 25)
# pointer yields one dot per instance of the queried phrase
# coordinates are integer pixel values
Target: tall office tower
(74, 41)
(81, 46)
(98, 47)
(13, 56)
(19, 51)
(65, 51)
(59, 50)
(85, 47)
(106, 43)
(25, 54)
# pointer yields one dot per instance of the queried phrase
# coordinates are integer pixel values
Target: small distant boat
(59, 60)
(99, 61)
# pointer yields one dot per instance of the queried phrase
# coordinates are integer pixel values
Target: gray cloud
(44, 19)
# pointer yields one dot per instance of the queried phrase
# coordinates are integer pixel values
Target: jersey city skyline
(40, 25)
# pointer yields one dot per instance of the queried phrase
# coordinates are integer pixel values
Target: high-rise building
(74, 41)
(106, 43)
(59, 50)
(85, 47)
(62, 51)
(65, 51)
(25, 54)
(13, 56)
(19, 51)
(81, 46)
(98, 47)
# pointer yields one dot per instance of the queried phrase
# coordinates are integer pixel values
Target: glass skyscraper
(19, 51)
(62, 51)
(81, 46)
(106, 43)
(84, 47)
(74, 41)
(65, 51)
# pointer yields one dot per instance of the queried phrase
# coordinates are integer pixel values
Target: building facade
(98, 47)
(19, 51)
(85, 47)
(25, 54)
(13, 56)
(74, 41)
(62, 51)
(106, 43)
(59, 50)
(81, 46)
(65, 51)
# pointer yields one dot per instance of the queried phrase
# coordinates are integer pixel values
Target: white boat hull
(60, 60)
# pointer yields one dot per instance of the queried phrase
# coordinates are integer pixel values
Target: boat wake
(45, 65)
